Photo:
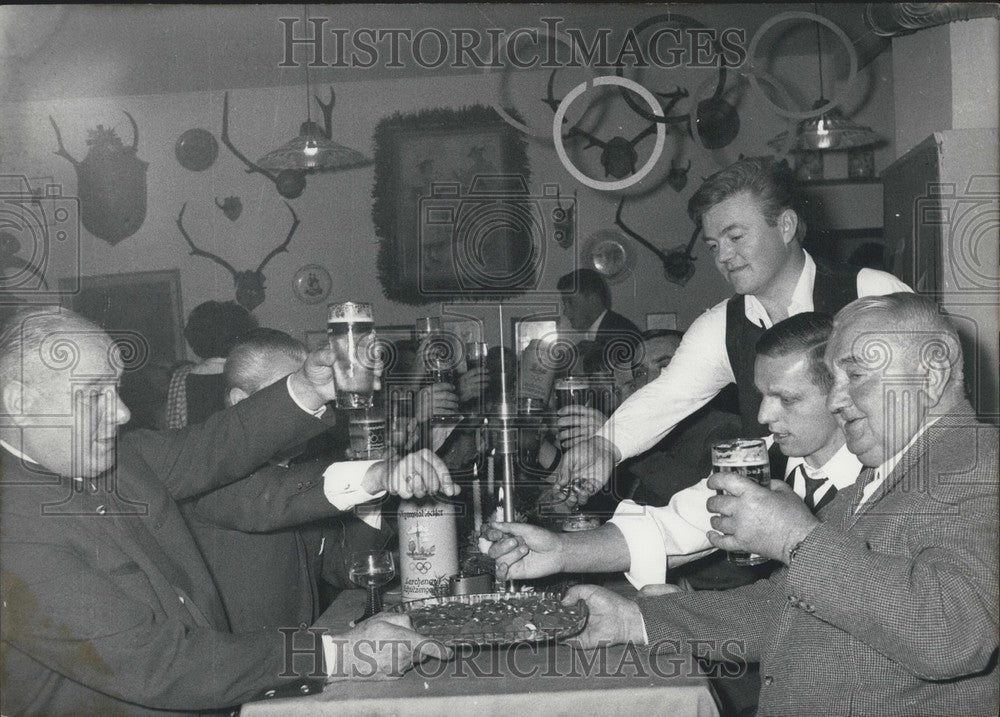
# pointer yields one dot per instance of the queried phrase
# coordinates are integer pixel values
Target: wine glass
(371, 569)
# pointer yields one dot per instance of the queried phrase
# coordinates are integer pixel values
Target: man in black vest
(752, 228)
(808, 451)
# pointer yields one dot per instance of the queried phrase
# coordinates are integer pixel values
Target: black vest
(835, 287)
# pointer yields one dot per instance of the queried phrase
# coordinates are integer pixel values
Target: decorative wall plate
(196, 149)
(607, 253)
(312, 284)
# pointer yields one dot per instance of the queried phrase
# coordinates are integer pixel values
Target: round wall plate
(607, 253)
(312, 284)
(196, 149)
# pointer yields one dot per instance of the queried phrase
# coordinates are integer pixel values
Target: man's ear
(938, 377)
(788, 222)
(17, 399)
(236, 395)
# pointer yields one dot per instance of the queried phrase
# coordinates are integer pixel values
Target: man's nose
(725, 250)
(122, 414)
(837, 399)
(766, 412)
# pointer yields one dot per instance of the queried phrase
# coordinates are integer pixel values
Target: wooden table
(548, 679)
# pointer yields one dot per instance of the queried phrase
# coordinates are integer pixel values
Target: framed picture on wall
(142, 313)
(452, 207)
(139, 306)
(526, 330)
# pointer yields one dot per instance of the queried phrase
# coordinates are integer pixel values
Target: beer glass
(425, 326)
(747, 457)
(351, 333)
(475, 354)
(573, 391)
(589, 391)
(367, 434)
(534, 379)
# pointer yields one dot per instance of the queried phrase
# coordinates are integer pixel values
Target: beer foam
(350, 311)
(740, 453)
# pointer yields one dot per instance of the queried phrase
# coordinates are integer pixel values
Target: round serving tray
(477, 632)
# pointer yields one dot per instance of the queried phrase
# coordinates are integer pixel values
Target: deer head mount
(678, 264)
(110, 181)
(249, 284)
(715, 119)
(618, 155)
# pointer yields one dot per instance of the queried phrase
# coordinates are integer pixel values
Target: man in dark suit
(608, 340)
(269, 539)
(108, 607)
(888, 603)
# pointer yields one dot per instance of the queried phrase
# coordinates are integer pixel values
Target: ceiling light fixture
(313, 150)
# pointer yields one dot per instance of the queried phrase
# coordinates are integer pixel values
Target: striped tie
(811, 486)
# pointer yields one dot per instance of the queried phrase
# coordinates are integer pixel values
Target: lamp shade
(831, 130)
(311, 151)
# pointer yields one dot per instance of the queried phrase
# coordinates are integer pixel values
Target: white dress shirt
(666, 537)
(700, 368)
(887, 467)
(591, 333)
(566, 330)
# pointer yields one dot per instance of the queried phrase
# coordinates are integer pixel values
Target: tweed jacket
(888, 610)
(108, 606)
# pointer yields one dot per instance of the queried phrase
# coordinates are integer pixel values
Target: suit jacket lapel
(910, 463)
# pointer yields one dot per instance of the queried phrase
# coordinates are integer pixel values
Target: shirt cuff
(318, 412)
(607, 432)
(647, 555)
(343, 484)
(331, 654)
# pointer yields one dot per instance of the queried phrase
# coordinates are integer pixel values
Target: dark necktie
(812, 485)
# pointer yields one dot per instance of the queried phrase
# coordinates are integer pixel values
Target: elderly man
(265, 560)
(752, 228)
(647, 541)
(889, 605)
(108, 605)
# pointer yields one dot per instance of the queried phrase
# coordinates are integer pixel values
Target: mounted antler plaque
(250, 283)
(111, 183)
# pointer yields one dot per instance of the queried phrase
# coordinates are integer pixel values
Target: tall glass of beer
(351, 332)
(747, 457)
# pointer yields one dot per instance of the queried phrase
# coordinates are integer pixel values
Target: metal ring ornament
(681, 21)
(497, 102)
(557, 138)
(841, 35)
